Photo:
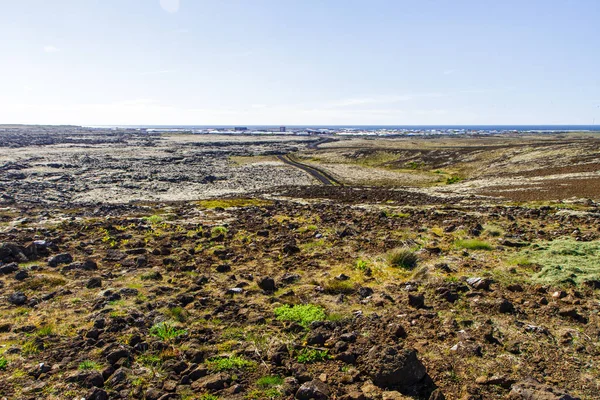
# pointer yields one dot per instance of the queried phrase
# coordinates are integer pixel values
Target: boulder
(17, 298)
(267, 284)
(313, 390)
(64, 258)
(389, 366)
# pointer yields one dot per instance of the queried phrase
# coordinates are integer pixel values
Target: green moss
(269, 381)
(565, 261)
(218, 364)
(303, 314)
(3, 364)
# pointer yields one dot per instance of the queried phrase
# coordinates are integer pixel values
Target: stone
(93, 283)
(9, 268)
(479, 283)
(97, 394)
(114, 356)
(416, 301)
(21, 275)
(267, 284)
(64, 258)
(506, 307)
(290, 249)
(531, 390)
(313, 390)
(392, 366)
(87, 265)
(17, 298)
(212, 382)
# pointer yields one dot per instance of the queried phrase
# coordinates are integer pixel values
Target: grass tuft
(473, 244)
(402, 258)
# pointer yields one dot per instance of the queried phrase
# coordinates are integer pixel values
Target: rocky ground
(296, 292)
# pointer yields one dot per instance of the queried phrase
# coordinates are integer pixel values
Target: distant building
(240, 128)
(282, 129)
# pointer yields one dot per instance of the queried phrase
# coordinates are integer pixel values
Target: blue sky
(299, 62)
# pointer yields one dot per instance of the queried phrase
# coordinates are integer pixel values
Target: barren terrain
(136, 266)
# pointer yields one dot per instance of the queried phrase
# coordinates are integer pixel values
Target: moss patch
(565, 261)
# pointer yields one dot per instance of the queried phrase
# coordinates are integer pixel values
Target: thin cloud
(449, 71)
(388, 99)
(164, 71)
(51, 49)
(170, 6)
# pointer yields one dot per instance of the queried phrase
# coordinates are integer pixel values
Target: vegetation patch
(219, 364)
(565, 261)
(303, 314)
(307, 356)
(89, 365)
(473, 244)
(402, 258)
(229, 203)
(166, 331)
(3, 364)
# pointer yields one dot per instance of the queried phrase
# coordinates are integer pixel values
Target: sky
(299, 62)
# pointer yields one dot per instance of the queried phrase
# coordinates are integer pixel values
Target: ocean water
(521, 128)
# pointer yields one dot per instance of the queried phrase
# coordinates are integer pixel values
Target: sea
(519, 128)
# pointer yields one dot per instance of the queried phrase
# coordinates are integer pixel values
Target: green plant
(45, 330)
(334, 286)
(150, 360)
(303, 314)
(264, 394)
(269, 381)
(154, 219)
(180, 314)
(88, 365)
(453, 179)
(166, 331)
(473, 244)
(307, 356)
(208, 396)
(218, 230)
(32, 347)
(3, 363)
(153, 275)
(362, 265)
(402, 258)
(218, 364)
